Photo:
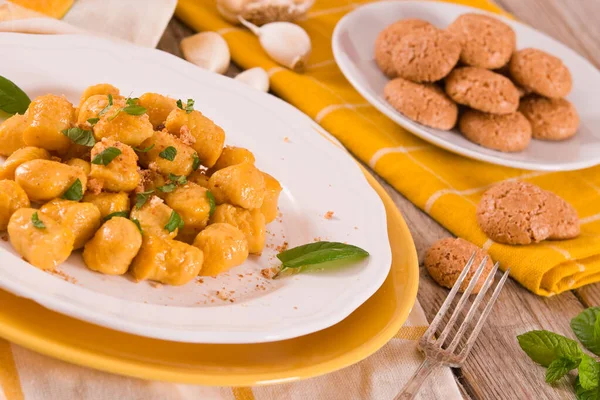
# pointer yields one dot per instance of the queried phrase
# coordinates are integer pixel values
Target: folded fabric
(445, 185)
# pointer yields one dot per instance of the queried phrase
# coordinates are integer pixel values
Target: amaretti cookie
(551, 119)
(424, 103)
(566, 221)
(390, 36)
(446, 259)
(482, 90)
(425, 56)
(508, 132)
(486, 42)
(541, 73)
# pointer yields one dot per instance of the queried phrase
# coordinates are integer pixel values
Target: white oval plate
(317, 177)
(353, 49)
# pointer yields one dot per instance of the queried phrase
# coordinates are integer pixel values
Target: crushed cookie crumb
(282, 247)
(155, 285)
(328, 215)
(356, 227)
(269, 273)
(295, 308)
(63, 276)
(222, 295)
(185, 135)
(286, 139)
(94, 185)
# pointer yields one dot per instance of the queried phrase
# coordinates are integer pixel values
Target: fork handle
(416, 381)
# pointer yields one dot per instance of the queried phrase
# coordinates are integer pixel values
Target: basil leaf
(196, 162)
(559, 368)
(105, 109)
(93, 121)
(147, 149)
(589, 372)
(175, 222)
(169, 153)
(189, 107)
(75, 192)
(134, 110)
(585, 326)
(142, 198)
(583, 394)
(168, 188)
(180, 180)
(124, 214)
(319, 252)
(543, 347)
(137, 222)
(80, 136)
(211, 202)
(13, 100)
(106, 156)
(35, 220)
(132, 101)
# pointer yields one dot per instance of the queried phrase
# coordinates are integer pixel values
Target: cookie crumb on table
(328, 215)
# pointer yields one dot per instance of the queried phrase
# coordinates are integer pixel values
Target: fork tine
(484, 315)
(474, 306)
(465, 296)
(438, 318)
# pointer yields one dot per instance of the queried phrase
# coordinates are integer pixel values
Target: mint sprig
(13, 100)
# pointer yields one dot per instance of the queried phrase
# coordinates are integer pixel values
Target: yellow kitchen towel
(445, 185)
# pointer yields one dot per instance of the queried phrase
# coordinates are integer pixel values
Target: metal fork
(435, 352)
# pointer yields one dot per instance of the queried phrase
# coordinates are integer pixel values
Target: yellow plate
(366, 330)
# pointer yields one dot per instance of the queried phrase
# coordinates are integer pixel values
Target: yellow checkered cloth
(442, 184)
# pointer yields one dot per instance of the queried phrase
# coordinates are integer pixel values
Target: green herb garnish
(211, 202)
(168, 188)
(142, 198)
(108, 106)
(189, 107)
(196, 162)
(93, 121)
(75, 192)
(80, 136)
(13, 100)
(37, 222)
(123, 214)
(147, 149)
(178, 179)
(131, 108)
(137, 223)
(175, 222)
(106, 156)
(169, 153)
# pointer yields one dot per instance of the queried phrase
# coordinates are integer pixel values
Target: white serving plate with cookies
(353, 48)
(239, 306)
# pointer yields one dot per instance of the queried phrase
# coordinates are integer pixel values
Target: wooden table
(497, 368)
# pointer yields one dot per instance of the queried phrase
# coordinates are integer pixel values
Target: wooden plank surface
(496, 368)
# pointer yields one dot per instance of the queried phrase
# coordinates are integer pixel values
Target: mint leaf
(168, 188)
(137, 223)
(142, 198)
(189, 107)
(589, 372)
(212, 202)
(80, 136)
(196, 162)
(584, 394)
(123, 214)
(178, 179)
(93, 121)
(169, 153)
(106, 156)
(134, 110)
(559, 368)
(543, 347)
(35, 220)
(175, 222)
(586, 328)
(75, 192)
(108, 106)
(147, 149)
(319, 253)
(13, 100)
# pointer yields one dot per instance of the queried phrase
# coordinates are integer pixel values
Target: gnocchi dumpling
(232, 155)
(158, 107)
(43, 180)
(108, 203)
(83, 219)
(47, 117)
(153, 217)
(123, 127)
(199, 177)
(118, 175)
(11, 134)
(168, 155)
(7, 170)
(250, 222)
(100, 89)
(83, 165)
(208, 138)
(113, 247)
(39, 239)
(192, 204)
(12, 197)
(224, 246)
(272, 191)
(166, 261)
(241, 185)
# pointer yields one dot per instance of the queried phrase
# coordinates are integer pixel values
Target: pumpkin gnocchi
(140, 186)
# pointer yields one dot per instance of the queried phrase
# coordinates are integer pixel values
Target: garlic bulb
(261, 12)
(286, 43)
(207, 50)
(255, 77)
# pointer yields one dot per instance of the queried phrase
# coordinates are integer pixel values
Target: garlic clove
(207, 50)
(261, 12)
(255, 77)
(286, 43)
(230, 9)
